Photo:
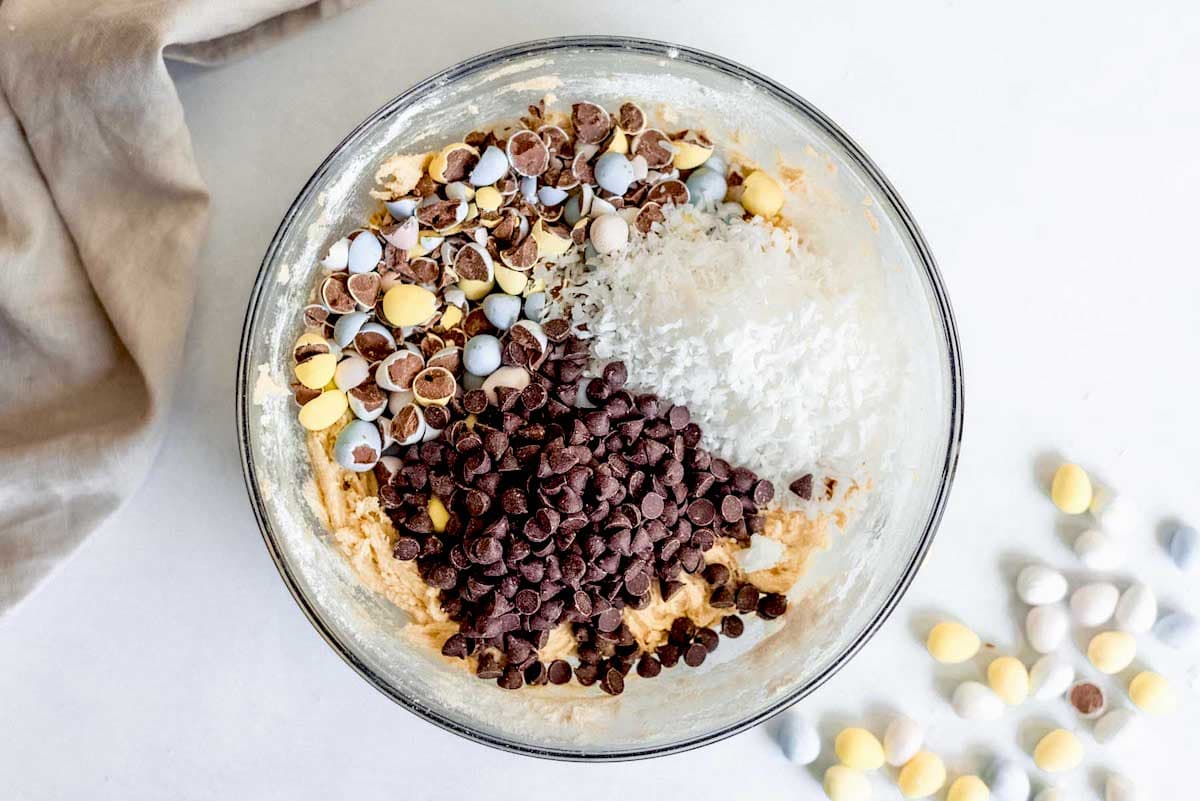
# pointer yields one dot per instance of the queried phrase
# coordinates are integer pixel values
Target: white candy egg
(609, 233)
(1093, 604)
(1137, 610)
(975, 701)
(335, 259)
(798, 739)
(1046, 627)
(1050, 677)
(1039, 584)
(1114, 725)
(502, 310)
(365, 252)
(351, 371)
(1119, 788)
(398, 400)
(528, 188)
(361, 410)
(535, 304)
(1096, 550)
(902, 740)
(1007, 781)
(358, 446)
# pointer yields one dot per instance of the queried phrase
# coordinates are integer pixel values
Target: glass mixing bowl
(851, 212)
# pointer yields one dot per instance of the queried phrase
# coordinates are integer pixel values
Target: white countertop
(1051, 160)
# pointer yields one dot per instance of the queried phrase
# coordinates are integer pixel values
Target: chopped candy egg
(1151, 693)
(1009, 679)
(902, 740)
(409, 304)
(1137, 610)
(859, 749)
(438, 514)
(358, 446)
(1008, 782)
(1071, 489)
(1058, 751)
(761, 195)
(1038, 584)
(510, 280)
(951, 643)
(1097, 550)
(1050, 677)
(338, 256)
(1113, 725)
(475, 290)
(691, 154)
(1046, 627)
(1119, 788)
(843, 784)
(614, 173)
(365, 252)
(975, 701)
(324, 410)
(967, 788)
(350, 372)
(535, 304)
(492, 166)
(798, 739)
(1093, 604)
(502, 310)
(488, 198)
(1111, 651)
(317, 371)
(922, 776)
(348, 326)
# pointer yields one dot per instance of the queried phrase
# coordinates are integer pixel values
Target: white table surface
(1050, 158)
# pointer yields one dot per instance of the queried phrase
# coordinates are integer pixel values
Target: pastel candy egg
(476, 290)
(512, 377)
(408, 304)
(1182, 547)
(1137, 610)
(1097, 550)
(1093, 604)
(761, 195)
(551, 195)
(706, 187)
(922, 776)
(1071, 489)
(438, 514)
(1050, 677)
(951, 643)
(550, 243)
(348, 326)
(351, 371)
(365, 252)
(798, 739)
(502, 310)
(357, 446)
(902, 740)
(1038, 584)
(967, 788)
(1151, 693)
(324, 410)
(1176, 628)
(690, 154)
(1114, 725)
(453, 153)
(404, 235)
(402, 208)
(488, 199)
(316, 371)
(1008, 782)
(858, 749)
(1058, 751)
(1008, 679)
(619, 143)
(1119, 788)
(844, 784)
(1046, 627)
(337, 256)
(535, 304)
(367, 403)
(1111, 651)
(609, 233)
(492, 166)
(614, 173)
(975, 701)
(481, 356)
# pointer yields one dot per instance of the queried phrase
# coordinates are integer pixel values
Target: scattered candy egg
(337, 256)
(843, 784)
(1176, 628)
(761, 195)
(350, 372)
(1096, 550)
(398, 400)
(857, 748)
(502, 310)
(528, 188)
(434, 386)
(609, 233)
(1151, 693)
(1093, 604)
(1046, 627)
(1137, 610)
(481, 356)
(614, 173)
(1008, 782)
(531, 330)
(409, 304)
(308, 344)
(706, 186)
(1008, 679)
(1058, 751)
(365, 252)
(922, 776)
(513, 377)
(441, 159)
(967, 788)
(317, 371)
(1050, 677)
(1112, 651)
(798, 739)
(1119, 788)
(451, 317)
(358, 446)
(1087, 698)
(902, 740)
(402, 208)
(975, 701)
(1071, 489)
(619, 142)
(438, 514)
(951, 643)
(1039, 584)
(1181, 545)
(535, 304)
(690, 154)
(1113, 725)
(324, 410)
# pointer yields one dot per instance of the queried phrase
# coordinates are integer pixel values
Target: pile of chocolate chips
(563, 513)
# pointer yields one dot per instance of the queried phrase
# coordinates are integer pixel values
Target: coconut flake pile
(778, 356)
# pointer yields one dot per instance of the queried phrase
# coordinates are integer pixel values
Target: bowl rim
(867, 170)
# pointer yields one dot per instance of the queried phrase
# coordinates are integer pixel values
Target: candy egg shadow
(970, 761)
(828, 726)
(947, 677)
(1031, 730)
(1011, 563)
(1045, 463)
(1068, 528)
(1163, 531)
(1097, 778)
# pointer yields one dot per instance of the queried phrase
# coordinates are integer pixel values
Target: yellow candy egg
(438, 514)
(1112, 651)
(843, 784)
(1071, 489)
(317, 371)
(922, 776)
(761, 195)
(549, 244)
(409, 304)
(439, 162)
(967, 788)
(475, 290)
(324, 410)
(1151, 693)
(951, 643)
(1009, 679)
(1058, 751)
(308, 338)
(510, 280)
(451, 317)
(858, 749)
(689, 155)
(619, 142)
(488, 198)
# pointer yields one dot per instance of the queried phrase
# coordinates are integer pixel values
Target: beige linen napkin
(102, 212)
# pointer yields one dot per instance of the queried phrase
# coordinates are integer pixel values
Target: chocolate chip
(802, 487)
(732, 626)
(648, 667)
(587, 674)
(716, 574)
(701, 511)
(511, 678)
(489, 666)
(746, 598)
(455, 646)
(668, 655)
(652, 506)
(613, 682)
(771, 606)
(406, 548)
(615, 375)
(763, 492)
(535, 674)
(731, 509)
(694, 655)
(559, 671)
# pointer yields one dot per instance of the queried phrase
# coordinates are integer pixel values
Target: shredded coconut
(785, 361)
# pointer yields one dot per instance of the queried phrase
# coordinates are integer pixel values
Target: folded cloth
(102, 212)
